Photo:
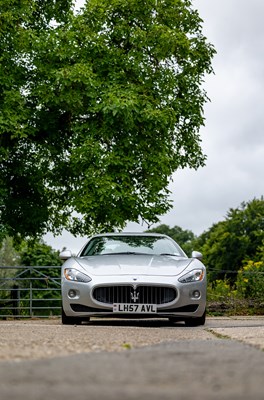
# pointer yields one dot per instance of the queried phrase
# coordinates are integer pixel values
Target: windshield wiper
(169, 254)
(127, 252)
(117, 253)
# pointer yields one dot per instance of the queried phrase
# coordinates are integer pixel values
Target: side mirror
(197, 254)
(65, 255)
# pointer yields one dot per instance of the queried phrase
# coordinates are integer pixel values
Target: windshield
(153, 245)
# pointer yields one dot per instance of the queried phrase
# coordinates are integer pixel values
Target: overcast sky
(233, 137)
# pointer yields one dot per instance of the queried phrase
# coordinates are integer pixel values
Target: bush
(220, 290)
(244, 297)
(250, 281)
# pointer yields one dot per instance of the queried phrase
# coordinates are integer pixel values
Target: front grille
(138, 295)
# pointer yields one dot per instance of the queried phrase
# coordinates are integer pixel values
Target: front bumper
(78, 300)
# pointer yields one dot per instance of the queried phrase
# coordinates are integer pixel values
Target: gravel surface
(45, 339)
(253, 335)
(39, 339)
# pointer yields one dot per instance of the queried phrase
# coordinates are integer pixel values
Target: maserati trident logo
(134, 295)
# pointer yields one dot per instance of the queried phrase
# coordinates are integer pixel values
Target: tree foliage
(29, 252)
(38, 253)
(8, 254)
(234, 241)
(24, 204)
(98, 111)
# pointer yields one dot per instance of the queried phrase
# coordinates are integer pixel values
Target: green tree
(237, 239)
(184, 238)
(23, 198)
(114, 105)
(8, 255)
(38, 253)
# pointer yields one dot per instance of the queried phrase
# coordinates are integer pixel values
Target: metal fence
(30, 291)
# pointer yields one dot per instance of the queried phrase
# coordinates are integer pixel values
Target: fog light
(72, 293)
(196, 294)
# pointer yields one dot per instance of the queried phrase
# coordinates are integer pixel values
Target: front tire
(65, 320)
(196, 321)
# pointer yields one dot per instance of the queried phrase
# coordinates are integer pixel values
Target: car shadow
(141, 323)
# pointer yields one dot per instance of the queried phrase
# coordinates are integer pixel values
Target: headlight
(74, 275)
(193, 276)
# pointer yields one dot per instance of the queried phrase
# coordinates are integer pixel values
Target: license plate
(134, 308)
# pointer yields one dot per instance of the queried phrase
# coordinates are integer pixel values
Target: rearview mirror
(65, 254)
(197, 254)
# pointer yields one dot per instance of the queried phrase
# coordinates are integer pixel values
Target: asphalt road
(223, 360)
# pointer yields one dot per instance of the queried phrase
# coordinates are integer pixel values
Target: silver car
(132, 275)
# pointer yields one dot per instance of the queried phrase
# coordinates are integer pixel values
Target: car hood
(154, 265)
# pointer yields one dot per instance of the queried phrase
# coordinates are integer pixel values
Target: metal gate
(30, 291)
